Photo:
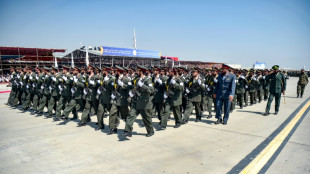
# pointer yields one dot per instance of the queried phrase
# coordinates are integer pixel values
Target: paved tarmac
(30, 144)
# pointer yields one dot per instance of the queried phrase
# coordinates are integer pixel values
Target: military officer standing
(277, 85)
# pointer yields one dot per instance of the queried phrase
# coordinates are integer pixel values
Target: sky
(226, 31)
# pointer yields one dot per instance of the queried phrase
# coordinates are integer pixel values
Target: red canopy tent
(28, 54)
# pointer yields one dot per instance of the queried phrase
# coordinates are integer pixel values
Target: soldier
(265, 84)
(224, 93)
(89, 92)
(141, 93)
(76, 94)
(64, 86)
(29, 88)
(119, 97)
(259, 87)
(210, 84)
(246, 94)
(277, 85)
(193, 91)
(240, 88)
(14, 86)
(159, 86)
(172, 99)
(302, 83)
(252, 83)
(55, 77)
(45, 91)
(104, 91)
(36, 88)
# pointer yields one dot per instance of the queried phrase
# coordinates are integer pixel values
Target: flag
(87, 61)
(56, 64)
(134, 39)
(72, 61)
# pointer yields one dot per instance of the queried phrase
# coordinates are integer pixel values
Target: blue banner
(113, 51)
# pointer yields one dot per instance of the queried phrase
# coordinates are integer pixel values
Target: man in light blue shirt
(224, 93)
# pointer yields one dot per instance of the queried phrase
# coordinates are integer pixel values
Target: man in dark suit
(224, 93)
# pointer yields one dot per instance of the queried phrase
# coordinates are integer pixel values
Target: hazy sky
(232, 31)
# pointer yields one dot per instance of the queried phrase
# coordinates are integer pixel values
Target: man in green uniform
(252, 83)
(54, 90)
(46, 80)
(104, 91)
(173, 99)
(76, 92)
(141, 104)
(240, 88)
(302, 83)
(277, 85)
(119, 99)
(13, 81)
(64, 86)
(89, 92)
(159, 89)
(193, 91)
(29, 88)
(37, 95)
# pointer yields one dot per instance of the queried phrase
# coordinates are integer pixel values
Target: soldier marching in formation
(122, 93)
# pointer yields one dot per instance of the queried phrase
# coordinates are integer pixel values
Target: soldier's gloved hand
(46, 76)
(37, 77)
(21, 83)
(27, 86)
(98, 81)
(207, 86)
(92, 82)
(246, 86)
(172, 81)
(215, 80)
(120, 83)
(264, 77)
(165, 95)
(159, 81)
(75, 80)
(98, 91)
(106, 78)
(54, 79)
(112, 96)
(72, 90)
(187, 91)
(130, 94)
(65, 78)
(33, 85)
(199, 81)
(30, 78)
(42, 87)
(140, 83)
(84, 91)
(208, 89)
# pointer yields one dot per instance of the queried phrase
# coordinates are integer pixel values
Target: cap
(119, 69)
(224, 66)
(142, 68)
(106, 68)
(275, 67)
(65, 68)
